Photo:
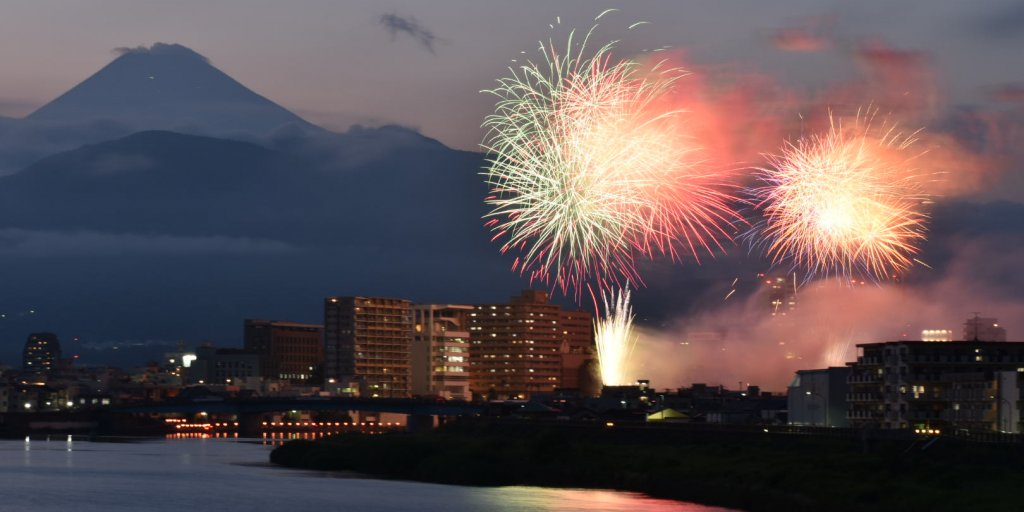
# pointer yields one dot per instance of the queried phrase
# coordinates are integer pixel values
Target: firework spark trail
(837, 349)
(615, 338)
(845, 202)
(590, 171)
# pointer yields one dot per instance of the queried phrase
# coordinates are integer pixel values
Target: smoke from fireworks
(844, 202)
(589, 170)
(615, 339)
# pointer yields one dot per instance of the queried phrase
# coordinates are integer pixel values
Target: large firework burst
(846, 202)
(590, 168)
(614, 337)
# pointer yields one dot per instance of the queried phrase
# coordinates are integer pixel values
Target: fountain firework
(615, 338)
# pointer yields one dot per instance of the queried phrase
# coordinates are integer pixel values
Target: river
(227, 475)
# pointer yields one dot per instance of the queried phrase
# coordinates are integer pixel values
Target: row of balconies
(863, 378)
(397, 350)
(863, 397)
(383, 361)
(862, 414)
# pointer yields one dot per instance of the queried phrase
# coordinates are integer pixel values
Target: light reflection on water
(231, 474)
(272, 439)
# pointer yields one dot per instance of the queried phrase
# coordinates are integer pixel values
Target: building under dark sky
(288, 351)
(367, 345)
(42, 352)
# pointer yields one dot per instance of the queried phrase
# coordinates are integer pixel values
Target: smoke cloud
(742, 341)
(805, 36)
(408, 25)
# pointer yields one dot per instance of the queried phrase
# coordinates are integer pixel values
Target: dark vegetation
(745, 470)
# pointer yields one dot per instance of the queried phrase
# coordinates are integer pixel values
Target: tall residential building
(42, 352)
(288, 351)
(366, 345)
(967, 385)
(983, 329)
(440, 350)
(516, 348)
(578, 352)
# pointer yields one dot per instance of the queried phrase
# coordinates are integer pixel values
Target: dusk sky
(756, 254)
(144, 229)
(334, 63)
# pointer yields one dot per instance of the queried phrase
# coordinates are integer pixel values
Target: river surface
(225, 475)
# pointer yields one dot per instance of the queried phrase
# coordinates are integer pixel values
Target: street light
(824, 402)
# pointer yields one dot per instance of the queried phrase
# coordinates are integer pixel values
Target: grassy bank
(743, 470)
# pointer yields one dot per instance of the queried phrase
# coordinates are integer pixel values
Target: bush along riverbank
(744, 470)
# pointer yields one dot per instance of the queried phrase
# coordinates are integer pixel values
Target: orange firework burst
(591, 169)
(847, 201)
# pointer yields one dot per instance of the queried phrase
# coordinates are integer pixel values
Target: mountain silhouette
(161, 87)
(161, 235)
(160, 199)
(307, 190)
(169, 87)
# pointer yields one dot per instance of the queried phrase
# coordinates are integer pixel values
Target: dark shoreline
(744, 470)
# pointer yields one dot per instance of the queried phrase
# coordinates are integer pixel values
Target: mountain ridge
(168, 86)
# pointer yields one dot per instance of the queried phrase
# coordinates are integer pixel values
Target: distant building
(288, 351)
(968, 385)
(936, 335)
(42, 352)
(983, 329)
(781, 293)
(516, 347)
(223, 366)
(440, 350)
(817, 398)
(578, 353)
(714, 404)
(367, 342)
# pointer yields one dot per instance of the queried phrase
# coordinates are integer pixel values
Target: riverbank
(742, 470)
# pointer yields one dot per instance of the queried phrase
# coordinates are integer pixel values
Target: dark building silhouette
(42, 352)
(983, 329)
(229, 366)
(578, 352)
(367, 343)
(964, 385)
(288, 351)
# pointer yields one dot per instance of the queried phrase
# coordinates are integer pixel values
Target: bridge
(248, 411)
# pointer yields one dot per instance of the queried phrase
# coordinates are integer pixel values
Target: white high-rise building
(440, 351)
